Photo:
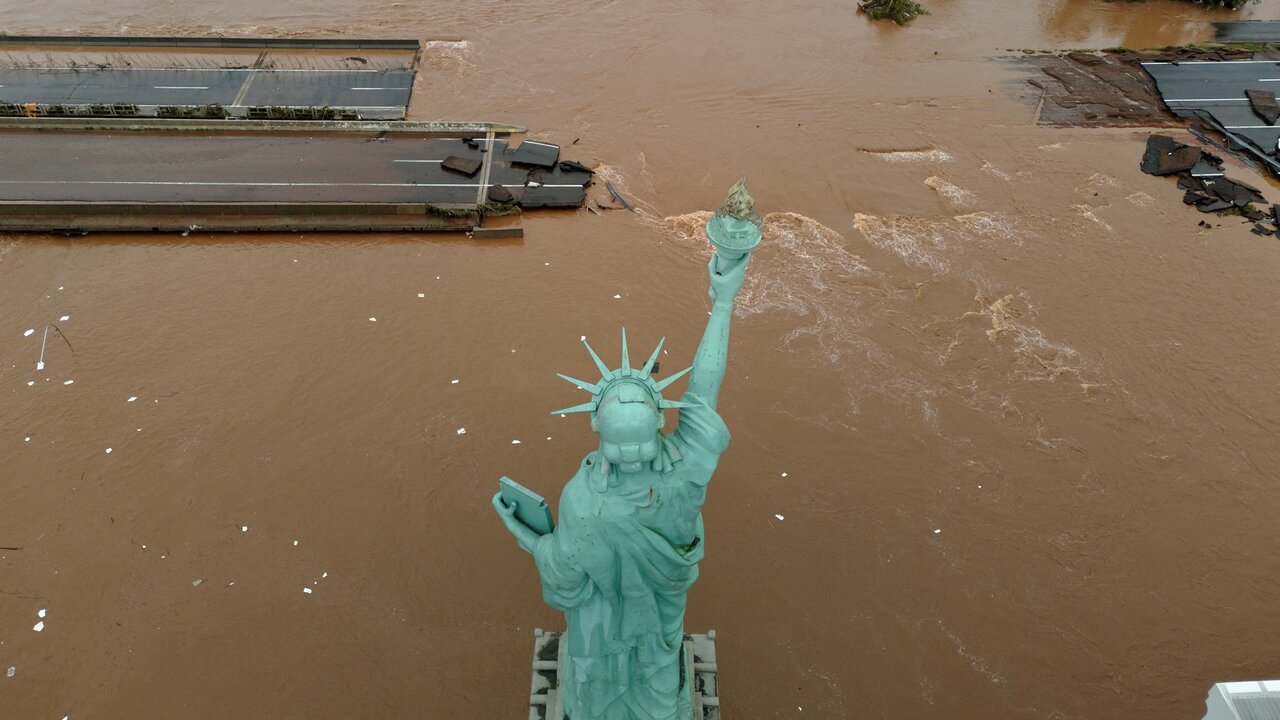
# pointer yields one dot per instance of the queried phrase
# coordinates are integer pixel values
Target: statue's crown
(624, 374)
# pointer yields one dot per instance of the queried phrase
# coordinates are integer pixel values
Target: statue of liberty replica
(621, 560)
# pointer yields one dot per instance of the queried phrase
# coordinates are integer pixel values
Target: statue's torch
(735, 229)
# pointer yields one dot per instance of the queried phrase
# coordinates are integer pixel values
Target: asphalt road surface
(1218, 88)
(364, 89)
(260, 167)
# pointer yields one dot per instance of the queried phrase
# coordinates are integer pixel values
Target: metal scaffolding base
(545, 702)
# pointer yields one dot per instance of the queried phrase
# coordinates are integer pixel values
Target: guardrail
(210, 42)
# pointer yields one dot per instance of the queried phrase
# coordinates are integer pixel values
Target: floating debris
(453, 382)
(937, 530)
(306, 590)
(108, 451)
(38, 627)
(462, 431)
(779, 517)
(132, 398)
(244, 528)
(295, 543)
(10, 673)
(69, 382)
(64, 318)
(373, 319)
(196, 582)
(515, 442)
(40, 613)
(29, 332)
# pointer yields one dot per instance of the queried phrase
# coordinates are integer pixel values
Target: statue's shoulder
(701, 431)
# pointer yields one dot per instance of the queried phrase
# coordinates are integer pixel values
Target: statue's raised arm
(735, 231)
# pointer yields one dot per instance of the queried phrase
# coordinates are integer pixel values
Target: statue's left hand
(526, 538)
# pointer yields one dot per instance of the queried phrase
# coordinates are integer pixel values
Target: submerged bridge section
(272, 176)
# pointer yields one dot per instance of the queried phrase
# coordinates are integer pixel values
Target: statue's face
(629, 427)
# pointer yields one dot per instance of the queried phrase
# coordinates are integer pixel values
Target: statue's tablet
(531, 508)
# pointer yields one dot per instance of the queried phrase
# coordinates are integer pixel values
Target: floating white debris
(324, 575)
(196, 582)
(515, 442)
(306, 590)
(453, 382)
(64, 318)
(563, 415)
(144, 547)
(548, 437)
(30, 383)
(244, 528)
(784, 474)
(295, 259)
(38, 627)
(10, 672)
(28, 440)
(462, 431)
(937, 530)
(437, 277)
(29, 333)
(68, 382)
(132, 398)
(41, 613)
(373, 319)
(583, 338)
(779, 517)
(422, 295)
(295, 543)
(617, 297)
(108, 451)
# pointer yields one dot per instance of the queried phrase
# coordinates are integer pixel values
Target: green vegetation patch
(899, 11)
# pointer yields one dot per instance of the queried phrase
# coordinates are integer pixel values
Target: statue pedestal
(699, 672)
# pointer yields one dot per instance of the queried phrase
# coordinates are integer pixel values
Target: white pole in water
(40, 362)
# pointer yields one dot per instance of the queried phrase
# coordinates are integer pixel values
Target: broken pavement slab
(1166, 156)
(1264, 105)
(534, 152)
(461, 165)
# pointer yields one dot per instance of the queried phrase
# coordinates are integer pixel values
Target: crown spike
(626, 357)
(605, 373)
(665, 403)
(584, 407)
(582, 384)
(662, 385)
(648, 366)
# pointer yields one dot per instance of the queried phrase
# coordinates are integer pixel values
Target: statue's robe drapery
(620, 564)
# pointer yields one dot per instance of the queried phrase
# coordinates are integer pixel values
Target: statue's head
(626, 409)
(629, 423)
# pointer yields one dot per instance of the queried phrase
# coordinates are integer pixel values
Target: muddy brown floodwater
(1017, 412)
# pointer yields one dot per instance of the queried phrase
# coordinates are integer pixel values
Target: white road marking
(176, 87)
(259, 184)
(249, 70)
(1211, 62)
(1252, 127)
(380, 88)
(1199, 100)
(419, 161)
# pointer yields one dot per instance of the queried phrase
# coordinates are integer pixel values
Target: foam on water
(911, 156)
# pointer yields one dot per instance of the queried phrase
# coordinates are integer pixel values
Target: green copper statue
(626, 550)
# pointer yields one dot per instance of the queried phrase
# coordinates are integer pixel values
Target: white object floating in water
(108, 451)
(64, 318)
(306, 590)
(68, 382)
(784, 474)
(244, 528)
(779, 517)
(132, 398)
(372, 319)
(937, 530)
(515, 442)
(144, 547)
(30, 383)
(11, 671)
(324, 575)
(28, 440)
(548, 437)
(617, 297)
(462, 431)
(41, 613)
(38, 627)
(453, 382)
(422, 295)
(295, 543)
(563, 415)
(196, 582)
(29, 333)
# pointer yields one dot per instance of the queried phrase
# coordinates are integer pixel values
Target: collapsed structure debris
(1205, 185)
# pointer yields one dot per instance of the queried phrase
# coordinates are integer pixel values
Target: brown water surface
(1005, 418)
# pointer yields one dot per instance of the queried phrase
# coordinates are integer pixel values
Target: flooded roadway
(1016, 409)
